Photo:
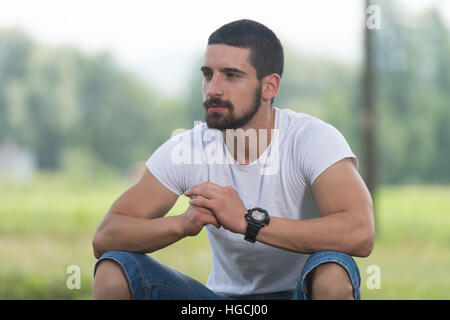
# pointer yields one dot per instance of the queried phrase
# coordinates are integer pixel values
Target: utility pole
(368, 96)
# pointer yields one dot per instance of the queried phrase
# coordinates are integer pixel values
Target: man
(278, 192)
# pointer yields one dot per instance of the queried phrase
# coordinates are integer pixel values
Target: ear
(270, 86)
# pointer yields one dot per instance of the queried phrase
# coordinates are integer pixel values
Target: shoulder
(185, 139)
(302, 127)
(315, 143)
(174, 162)
(192, 147)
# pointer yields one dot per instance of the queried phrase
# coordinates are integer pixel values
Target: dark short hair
(266, 51)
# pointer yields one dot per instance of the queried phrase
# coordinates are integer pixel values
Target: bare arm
(136, 221)
(346, 224)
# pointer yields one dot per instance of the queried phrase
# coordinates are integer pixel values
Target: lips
(217, 108)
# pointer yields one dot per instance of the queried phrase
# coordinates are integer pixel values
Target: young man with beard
(284, 233)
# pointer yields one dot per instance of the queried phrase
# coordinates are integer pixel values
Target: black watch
(257, 218)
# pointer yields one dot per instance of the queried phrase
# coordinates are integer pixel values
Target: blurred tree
(58, 101)
(413, 73)
(193, 106)
(57, 98)
(15, 52)
(324, 88)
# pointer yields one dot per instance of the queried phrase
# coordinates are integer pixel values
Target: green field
(47, 225)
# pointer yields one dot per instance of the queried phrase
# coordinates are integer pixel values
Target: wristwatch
(257, 218)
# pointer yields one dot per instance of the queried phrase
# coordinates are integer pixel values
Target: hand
(195, 218)
(223, 202)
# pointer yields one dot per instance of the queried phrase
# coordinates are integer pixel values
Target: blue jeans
(151, 279)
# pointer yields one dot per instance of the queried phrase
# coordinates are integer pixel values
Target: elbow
(98, 240)
(96, 245)
(364, 239)
(366, 245)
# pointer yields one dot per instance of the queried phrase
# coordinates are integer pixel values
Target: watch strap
(252, 231)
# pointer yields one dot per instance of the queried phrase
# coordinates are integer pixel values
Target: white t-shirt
(279, 181)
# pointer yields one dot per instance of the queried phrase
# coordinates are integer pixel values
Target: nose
(214, 87)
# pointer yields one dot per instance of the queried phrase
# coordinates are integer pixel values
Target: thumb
(210, 219)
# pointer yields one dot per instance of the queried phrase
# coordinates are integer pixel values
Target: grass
(47, 225)
(412, 245)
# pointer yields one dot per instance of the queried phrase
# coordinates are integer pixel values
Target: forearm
(337, 232)
(127, 233)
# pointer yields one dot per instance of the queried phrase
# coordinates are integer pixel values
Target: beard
(228, 119)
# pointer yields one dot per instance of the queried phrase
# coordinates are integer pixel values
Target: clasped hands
(216, 205)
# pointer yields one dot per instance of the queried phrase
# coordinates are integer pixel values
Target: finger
(201, 189)
(207, 189)
(201, 201)
(209, 219)
(203, 209)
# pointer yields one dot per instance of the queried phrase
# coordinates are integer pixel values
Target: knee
(110, 282)
(330, 281)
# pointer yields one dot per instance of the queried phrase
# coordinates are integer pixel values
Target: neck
(246, 144)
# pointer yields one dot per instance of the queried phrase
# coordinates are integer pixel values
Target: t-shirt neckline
(230, 157)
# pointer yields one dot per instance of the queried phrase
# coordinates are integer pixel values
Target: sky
(161, 41)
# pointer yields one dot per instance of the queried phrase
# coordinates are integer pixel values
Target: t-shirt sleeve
(164, 164)
(321, 145)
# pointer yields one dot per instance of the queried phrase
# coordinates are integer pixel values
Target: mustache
(217, 102)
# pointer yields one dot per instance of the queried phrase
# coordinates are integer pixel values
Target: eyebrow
(235, 70)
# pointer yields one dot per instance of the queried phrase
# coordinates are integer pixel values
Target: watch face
(258, 215)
